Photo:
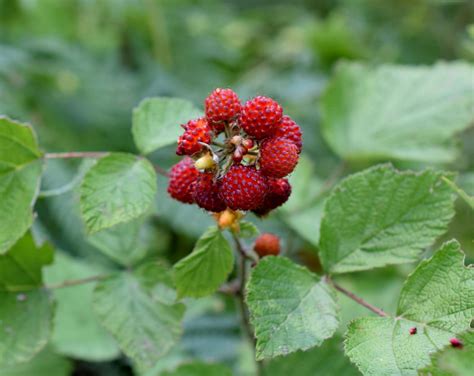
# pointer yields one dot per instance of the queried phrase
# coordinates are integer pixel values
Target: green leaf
(20, 172)
(327, 360)
(156, 122)
(46, 363)
(468, 199)
(248, 230)
(437, 300)
(77, 332)
(199, 369)
(382, 216)
(138, 309)
(20, 267)
(290, 308)
(304, 208)
(123, 243)
(25, 325)
(453, 361)
(405, 113)
(206, 268)
(119, 188)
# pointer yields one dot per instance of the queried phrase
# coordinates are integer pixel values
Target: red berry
(413, 330)
(206, 193)
(243, 188)
(287, 128)
(456, 342)
(181, 178)
(267, 244)
(260, 117)
(222, 105)
(195, 131)
(278, 157)
(279, 190)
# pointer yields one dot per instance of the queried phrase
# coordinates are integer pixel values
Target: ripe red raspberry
(181, 178)
(206, 193)
(222, 105)
(279, 190)
(267, 244)
(195, 131)
(278, 157)
(243, 188)
(260, 117)
(287, 128)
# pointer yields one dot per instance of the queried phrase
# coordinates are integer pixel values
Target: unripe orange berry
(267, 244)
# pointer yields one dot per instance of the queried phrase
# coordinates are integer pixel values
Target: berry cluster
(237, 156)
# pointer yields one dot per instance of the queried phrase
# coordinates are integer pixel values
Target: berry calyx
(222, 105)
(278, 157)
(243, 188)
(206, 162)
(287, 128)
(181, 179)
(267, 244)
(279, 190)
(196, 132)
(260, 117)
(205, 192)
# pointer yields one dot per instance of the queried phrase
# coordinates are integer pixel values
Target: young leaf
(20, 171)
(77, 331)
(437, 300)
(46, 363)
(290, 308)
(20, 267)
(25, 325)
(381, 216)
(156, 122)
(119, 188)
(206, 268)
(406, 113)
(138, 309)
(200, 369)
(248, 230)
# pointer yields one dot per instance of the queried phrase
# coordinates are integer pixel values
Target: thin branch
(242, 249)
(75, 282)
(357, 299)
(76, 154)
(230, 288)
(161, 170)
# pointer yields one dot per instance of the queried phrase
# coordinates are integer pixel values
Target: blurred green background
(75, 69)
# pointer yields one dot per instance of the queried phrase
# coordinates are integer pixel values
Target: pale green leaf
(138, 309)
(207, 267)
(123, 243)
(304, 208)
(119, 188)
(156, 122)
(199, 369)
(20, 171)
(77, 332)
(20, 267)
(25, 325)
(453, 361)
(382, 216)
(406, 113)
(326, 360)
(290, 308)
(46, 363)
(437, 300)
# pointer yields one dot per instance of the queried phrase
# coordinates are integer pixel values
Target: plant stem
(75, 282)
(357, 299)
(161, 170)
(242, 250)
(76, 154)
